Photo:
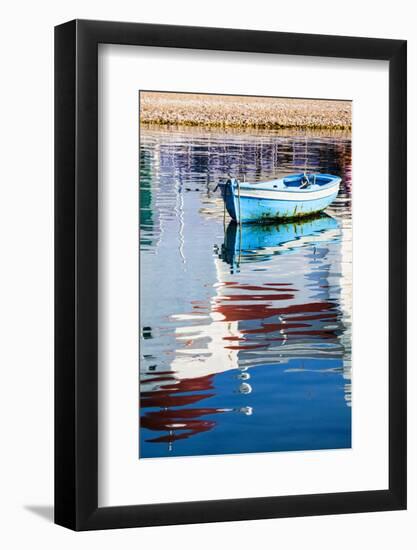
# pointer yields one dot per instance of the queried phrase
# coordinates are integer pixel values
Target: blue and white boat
(294, 196)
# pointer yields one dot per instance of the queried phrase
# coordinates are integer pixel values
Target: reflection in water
(245, 330)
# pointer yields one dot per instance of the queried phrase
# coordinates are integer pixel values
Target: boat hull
(258, 205)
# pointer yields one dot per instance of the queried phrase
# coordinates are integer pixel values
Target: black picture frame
(76, 273)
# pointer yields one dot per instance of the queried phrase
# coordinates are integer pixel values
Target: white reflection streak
(212, 356)
(179, 211)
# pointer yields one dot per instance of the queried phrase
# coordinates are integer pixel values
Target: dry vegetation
(243, 112)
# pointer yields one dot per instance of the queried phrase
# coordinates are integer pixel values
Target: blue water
(245, 341)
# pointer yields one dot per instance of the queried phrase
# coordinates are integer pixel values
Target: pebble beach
(159, 108)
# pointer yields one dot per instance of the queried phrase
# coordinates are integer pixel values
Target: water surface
(245, 332)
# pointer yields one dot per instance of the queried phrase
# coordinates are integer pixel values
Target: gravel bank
(243, 112)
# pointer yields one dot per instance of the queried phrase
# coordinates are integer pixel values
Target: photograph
(245, 274)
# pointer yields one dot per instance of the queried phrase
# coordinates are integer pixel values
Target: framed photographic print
(230, 275)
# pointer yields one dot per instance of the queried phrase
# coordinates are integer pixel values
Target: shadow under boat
(242, 241)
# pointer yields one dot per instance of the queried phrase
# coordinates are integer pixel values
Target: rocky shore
(160, 108)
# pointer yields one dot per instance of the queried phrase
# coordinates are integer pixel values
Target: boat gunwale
(267, 186)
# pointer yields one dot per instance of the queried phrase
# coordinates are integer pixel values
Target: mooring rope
(238, 198)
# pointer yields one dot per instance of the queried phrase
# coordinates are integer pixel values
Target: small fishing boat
(294, 196)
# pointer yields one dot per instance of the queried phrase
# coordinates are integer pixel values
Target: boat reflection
(261, 311)
(252, 242)
(294, 305)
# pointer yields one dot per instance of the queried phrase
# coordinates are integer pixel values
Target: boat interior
(303, 181)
